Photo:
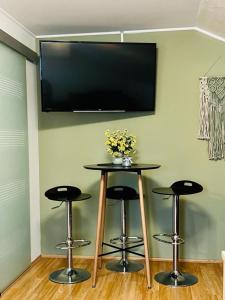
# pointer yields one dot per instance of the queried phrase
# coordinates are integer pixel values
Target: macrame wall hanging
(212, 115)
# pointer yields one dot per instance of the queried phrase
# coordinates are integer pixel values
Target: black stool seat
(121, 193)
(182, 187)
(66, 193)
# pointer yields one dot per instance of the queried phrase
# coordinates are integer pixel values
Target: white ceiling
(51, 17)
(211, 16)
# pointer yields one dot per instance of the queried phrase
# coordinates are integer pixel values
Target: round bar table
(105, 169)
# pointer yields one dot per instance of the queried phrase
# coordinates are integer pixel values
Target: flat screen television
(97, 76)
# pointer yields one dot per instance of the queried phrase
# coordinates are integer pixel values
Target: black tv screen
(97, 76)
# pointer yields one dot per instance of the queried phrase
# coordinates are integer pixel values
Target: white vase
(117, 160)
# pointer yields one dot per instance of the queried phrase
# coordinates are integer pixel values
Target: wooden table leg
(103, 221)
(143, 220)
(99, 224)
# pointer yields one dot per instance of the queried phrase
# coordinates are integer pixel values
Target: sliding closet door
(14, 199)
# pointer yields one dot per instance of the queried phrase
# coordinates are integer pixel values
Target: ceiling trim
(76, 34)
(114, 32)
(158, 30)
(217, 37)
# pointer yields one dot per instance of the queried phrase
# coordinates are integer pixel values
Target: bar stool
(68, 194)
(121, 243)
(175, 277)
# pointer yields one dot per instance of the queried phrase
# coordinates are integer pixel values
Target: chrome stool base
(173, 280)
(124, 267)
(67, 276)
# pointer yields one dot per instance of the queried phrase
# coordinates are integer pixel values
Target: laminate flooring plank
(35, 285)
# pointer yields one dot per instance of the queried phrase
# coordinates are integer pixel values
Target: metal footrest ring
(74, 244)
(129, 240)
(175, 241)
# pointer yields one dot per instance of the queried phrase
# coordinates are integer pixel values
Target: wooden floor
(34, 283)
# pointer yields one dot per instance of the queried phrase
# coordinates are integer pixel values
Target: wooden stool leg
(143, 220)
(99, 224)
(103, 221)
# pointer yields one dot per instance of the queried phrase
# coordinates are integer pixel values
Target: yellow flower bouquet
(120, 143)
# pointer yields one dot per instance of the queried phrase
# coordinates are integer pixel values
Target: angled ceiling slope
(211, 16)
(54, 17)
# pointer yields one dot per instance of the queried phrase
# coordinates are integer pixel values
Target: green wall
(169, 137)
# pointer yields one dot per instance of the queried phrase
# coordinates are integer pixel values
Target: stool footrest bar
(74, 244)
(129, 240)
(177, 241)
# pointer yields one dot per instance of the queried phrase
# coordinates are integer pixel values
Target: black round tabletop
(109, 167)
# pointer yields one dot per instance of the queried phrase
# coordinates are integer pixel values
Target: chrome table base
(173, 280)
(124, 267)
(67, 276)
